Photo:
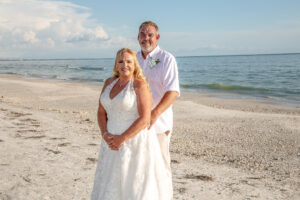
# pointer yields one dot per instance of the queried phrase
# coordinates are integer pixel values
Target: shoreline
(277, 101)
(220, 148)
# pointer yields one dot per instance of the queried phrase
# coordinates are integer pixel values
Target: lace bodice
(122, 108)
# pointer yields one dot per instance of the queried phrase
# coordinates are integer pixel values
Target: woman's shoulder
(138, 83)
(109, 80)
(141, 86)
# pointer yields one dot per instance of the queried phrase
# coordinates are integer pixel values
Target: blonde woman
(130, 165)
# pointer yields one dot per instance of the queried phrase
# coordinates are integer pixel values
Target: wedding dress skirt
(136, 171)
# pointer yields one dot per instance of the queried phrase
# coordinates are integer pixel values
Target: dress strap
(131, 83)
(111, 85)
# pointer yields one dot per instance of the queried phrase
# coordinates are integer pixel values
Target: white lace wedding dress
(136, 171)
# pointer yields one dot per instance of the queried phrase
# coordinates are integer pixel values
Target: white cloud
(30, 37)
(41, 25)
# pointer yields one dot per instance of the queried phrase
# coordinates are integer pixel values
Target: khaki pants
(164, 141)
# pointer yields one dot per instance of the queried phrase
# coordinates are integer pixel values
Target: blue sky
(92, 29)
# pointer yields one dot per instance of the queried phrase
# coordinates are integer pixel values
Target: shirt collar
(152, 53)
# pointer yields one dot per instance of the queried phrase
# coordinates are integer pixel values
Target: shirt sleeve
(170, 78)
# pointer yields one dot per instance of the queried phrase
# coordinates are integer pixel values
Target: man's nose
(147, 37)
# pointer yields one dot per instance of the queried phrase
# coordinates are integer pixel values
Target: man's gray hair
(149, 23)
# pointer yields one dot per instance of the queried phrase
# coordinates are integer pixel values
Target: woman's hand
(116, 141)
(107, 137)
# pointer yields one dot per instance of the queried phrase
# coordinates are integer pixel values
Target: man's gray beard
(147, 50)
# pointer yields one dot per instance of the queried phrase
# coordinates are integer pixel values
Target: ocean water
(274, 77)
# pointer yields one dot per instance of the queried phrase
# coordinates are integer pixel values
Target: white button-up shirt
(160, 69)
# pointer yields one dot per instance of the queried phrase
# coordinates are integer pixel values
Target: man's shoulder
(165, 55)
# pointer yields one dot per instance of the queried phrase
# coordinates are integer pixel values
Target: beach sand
(220, 148)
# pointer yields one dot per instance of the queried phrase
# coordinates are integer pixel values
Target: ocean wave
(86, 68)
(46, 76)
(93, 68)
(232, 87)
(225, 87)
(11, 73)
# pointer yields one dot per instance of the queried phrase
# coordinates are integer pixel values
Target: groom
(160, 69)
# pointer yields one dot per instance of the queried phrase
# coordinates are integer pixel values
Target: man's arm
(166, 101)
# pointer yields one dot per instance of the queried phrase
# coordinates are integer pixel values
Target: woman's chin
(125, 75)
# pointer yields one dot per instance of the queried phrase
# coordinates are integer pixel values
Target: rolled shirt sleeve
(170, 75)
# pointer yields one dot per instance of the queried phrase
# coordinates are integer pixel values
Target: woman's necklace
(122, 84)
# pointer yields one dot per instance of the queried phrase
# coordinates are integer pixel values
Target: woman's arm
(102, 119)
(102, 116)
(144, 103)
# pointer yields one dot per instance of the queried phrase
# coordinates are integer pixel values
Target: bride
(130, 165)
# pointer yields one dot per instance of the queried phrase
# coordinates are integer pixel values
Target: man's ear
(157, 36)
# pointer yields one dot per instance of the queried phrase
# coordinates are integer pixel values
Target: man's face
(148, 38)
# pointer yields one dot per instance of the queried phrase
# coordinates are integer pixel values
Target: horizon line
(29, 59)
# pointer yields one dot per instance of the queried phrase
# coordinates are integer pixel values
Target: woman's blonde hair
(137, 73)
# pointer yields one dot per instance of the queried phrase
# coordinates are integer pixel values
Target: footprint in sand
(175, 161)
(55, 138)
(33, 122)
(93, 160)
(88, 120)
(28, 180)
(23, 133)
(198, 177)
(17, 114)
(64, 144)
(180, 182)
(23, 124)
(28, 130)
(35, 137)
(92, 144)
(52, 151)
(18, 123)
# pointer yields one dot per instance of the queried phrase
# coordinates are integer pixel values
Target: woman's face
(125, 65)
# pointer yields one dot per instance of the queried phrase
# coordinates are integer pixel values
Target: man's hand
(166, 101)
(153, 119)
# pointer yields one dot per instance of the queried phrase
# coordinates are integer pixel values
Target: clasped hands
(114, 141)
